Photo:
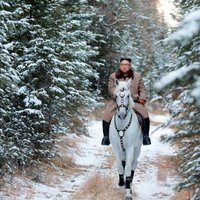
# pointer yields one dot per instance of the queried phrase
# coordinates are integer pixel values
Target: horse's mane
(123, 86)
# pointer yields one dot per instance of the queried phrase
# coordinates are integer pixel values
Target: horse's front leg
(119, 155)
(121, 175)
(120, 168)
(128, 168)
(135, 158)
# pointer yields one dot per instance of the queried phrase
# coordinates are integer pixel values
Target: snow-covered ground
(154, 178)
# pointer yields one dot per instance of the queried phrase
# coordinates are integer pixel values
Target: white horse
(125, 136)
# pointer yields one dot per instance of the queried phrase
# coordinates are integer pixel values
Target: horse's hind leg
(132, 171)
(132, 175)
(128, 190)
(123, 164)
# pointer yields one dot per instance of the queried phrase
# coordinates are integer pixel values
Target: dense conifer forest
(55, 59)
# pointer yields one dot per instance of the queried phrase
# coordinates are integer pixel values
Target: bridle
(122, 94)
(121, 133)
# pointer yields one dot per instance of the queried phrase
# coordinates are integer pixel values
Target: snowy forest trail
(56, 59)
(95, 176)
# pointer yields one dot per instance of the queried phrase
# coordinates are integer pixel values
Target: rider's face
(125, 66)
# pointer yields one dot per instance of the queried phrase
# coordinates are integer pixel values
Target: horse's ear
(129, 82)
(116, 82)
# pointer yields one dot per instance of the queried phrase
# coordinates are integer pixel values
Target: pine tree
(9, 77)
(113, 23)
(52, 50)
(184, 93)
(130, 29)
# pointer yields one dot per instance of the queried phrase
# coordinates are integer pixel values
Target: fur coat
(137, 89)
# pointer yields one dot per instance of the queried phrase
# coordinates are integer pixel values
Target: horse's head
(123, 97)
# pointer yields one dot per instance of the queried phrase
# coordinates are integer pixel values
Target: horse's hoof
(121, 188)
(128, 195)
(121, 184)
(128, 198)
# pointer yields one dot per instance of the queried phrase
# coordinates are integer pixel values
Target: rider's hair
(128, 59)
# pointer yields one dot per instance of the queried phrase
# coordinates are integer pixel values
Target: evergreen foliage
(130, 29)
(56, 56)
(46, 73)
(183, 97)
(112, 23)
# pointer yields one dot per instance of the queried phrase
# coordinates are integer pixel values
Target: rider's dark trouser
(105, 126)
(145, 130)
(146, 139)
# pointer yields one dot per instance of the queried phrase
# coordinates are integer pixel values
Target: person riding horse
(124, 73)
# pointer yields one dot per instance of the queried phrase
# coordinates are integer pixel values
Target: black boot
(121, 180)
(105, 140)
(146, 139)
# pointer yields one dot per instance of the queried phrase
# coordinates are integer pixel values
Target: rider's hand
(142, 101)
